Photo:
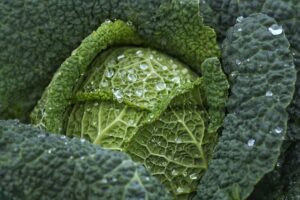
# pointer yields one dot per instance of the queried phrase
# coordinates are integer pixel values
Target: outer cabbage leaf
(262, 78)
(38, 36)
(222, 14)
(38, 165)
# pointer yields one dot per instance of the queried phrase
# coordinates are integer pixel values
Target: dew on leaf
(107, 21)
(238, 62)
(132, 77)
(144, 66)
(41, 135)
(82, 140)
(118, 94)
(269, 93)
(160, 86)
(120, 57)
(251, 142)
(178, 140)
(176, 80)
(193, 176)
(109, 73)
(184, 71)
(275, 29)
(139, 53)
(104, 181)
(179, 190)
(240, 29)
(239, 19)
(139, 92)
(164, 68)
(130, 122)
(278, 130)
(174, 172)
(104, 83)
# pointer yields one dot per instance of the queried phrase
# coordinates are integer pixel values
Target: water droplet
(144, 66)
(151, 56)
(139, 92)
(176, 80)
(96, 104)
(278, 164)
(175, 66)
(161, 86)
(238, 62)
(278, 130)
(107, 21)
(120, 57)
(288, 65)
(63, 137)
(184, 174)
(180, 190)
(276, 29)
(239, 29)
(184, 71)
(82, 140)
(248, 60)
(130, 122)
(104, 83)
(41, 135)
(239, 19)
(233, 74)
(104, 181)
(269, 93)
(164, 68)
(251, 142)
(109, 73)
(147, 178)
(193, 176)
(118, 94)
(82, 158)
(71, 157)
(132, 77)
(139, 53)
(114, 179)
(174, 172)
(178, 140)
(50, 151)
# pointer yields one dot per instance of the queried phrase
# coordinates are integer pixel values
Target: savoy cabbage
(144, 78)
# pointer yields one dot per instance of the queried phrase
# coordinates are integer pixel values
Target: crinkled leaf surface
(49, 113)
(38, 165)
(108, 98)
(262, 77)
(222, 14)
(176, 147)
(38, 36)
